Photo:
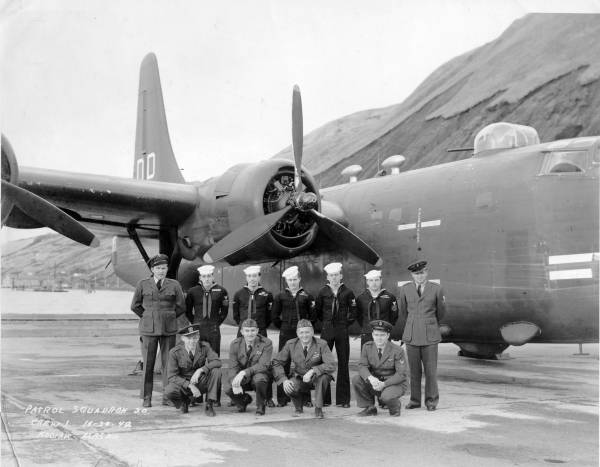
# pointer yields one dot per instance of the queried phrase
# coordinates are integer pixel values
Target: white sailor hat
(292, 271)
(252, 270)
(206, 269)
(373, 274)
(333, 268)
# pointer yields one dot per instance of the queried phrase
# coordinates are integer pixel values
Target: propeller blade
(297, 136)
(48, 214)
(346, 239)
(243, 236)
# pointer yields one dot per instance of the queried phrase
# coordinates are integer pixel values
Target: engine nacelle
(10, 173)
(243, 193)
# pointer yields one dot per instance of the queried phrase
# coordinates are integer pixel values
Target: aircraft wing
(106, 203)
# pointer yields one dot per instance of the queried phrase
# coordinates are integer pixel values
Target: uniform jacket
(217, 302)
(158, 309)
(260, 358)
(260, 299)
(181, 367)
(289, 309)
(391, 368)
(384, 306)
(318, 358)
(422, 313)
(344, 313)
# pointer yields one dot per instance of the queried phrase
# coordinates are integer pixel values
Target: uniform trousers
(365, 394)
(149, 348)
(207, 384)
(284, 336)
(210, 332)
(338, 336)
(258, 382)
(423, 357)
(301, 389)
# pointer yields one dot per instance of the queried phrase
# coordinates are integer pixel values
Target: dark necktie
(252, 307)
(334, 309)
(305, 351)
(191, 355)
(374, 312)
(379, 353)
(159, 284)
(249, 352)
(419, 289)
(206, 305)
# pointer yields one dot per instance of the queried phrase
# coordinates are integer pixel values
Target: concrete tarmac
(68, 399)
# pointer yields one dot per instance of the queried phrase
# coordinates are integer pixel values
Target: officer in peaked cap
(335, 307)
(158, 301)
(193, 371)
(381, 372)
(255, 302)
(422, 306)
(374, 303)
(290, 306)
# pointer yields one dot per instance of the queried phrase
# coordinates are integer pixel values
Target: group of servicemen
(193, 369)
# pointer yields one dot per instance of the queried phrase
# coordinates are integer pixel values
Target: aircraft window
(563, 162)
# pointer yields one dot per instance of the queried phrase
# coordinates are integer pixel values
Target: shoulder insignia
(394, 306)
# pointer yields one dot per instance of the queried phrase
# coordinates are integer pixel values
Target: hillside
(543, 71)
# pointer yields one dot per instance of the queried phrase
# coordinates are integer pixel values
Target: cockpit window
(564, 162)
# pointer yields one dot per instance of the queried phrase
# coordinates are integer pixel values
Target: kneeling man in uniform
(249, 367)
(193, 371)
(381, 372)
(312, 366)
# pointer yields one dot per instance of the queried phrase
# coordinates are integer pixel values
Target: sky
(69, 70)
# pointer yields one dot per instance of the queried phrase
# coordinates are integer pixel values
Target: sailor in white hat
(253, 301)
(289, 307)
(375, 303)
(335, 307)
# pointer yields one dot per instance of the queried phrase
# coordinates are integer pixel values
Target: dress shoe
(208, 410)
(345, 406)
(308, 404)
(270, 403)
(297, 412)
(367, 412)
(184, 407)
(394, 408)
(319, 412)
(260, 410)
(281, 404)
(431, 408)
(147, 402)
(413, 405)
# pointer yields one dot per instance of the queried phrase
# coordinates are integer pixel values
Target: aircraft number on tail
(146, 167)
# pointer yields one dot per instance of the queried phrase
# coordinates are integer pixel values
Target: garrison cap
(158, 259)
(373, 274)
(292, 271)
(206, 269)
(249, 323)
(417, 266)
(252, 270)
(333, 268)
(381, 325)
(304, 323)
(189, 330)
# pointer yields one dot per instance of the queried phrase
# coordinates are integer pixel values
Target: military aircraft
(510, 233)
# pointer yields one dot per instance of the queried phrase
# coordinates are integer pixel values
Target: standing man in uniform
(381, 372)
(158, 301)
(193, 371)
(422, 305)
(249, 367)
(373, 304)
(254, 302)
(289, 307)
(314, 366)
(335, 307)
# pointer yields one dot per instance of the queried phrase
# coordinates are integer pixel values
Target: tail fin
(154, 158)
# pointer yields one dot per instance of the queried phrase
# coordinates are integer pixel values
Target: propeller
(48, 214)
(299, 201)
